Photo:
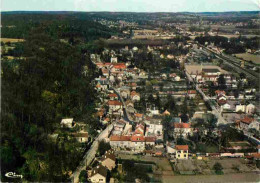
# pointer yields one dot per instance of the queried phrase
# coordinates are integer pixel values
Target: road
(126, 114)
(215, 110)
(90, 154)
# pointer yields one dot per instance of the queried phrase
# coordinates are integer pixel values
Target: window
(185, 155)
(100, 179)
(179, 155)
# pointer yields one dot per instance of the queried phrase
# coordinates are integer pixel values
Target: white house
(81, 137)
(226, 106)
(67, 122)
(113, 59)
(182, 129)
(177, 78)
(240, 108)
(98, 174)
(250, 108)
(182, 151)
(135, 96)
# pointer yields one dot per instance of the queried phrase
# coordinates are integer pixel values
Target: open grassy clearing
(249, 57)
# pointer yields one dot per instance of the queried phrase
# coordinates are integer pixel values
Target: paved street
(90, 154)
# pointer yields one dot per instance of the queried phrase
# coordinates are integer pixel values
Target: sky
(131, 5)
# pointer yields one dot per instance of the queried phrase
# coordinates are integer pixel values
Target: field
(249, 57)
(197, 68)
(11, 40)
(206, 167)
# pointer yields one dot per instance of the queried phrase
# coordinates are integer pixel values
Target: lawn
(249, 57)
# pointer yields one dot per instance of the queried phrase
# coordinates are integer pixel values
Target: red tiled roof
(133, 84)
(247, 120)
(119, 66)
(138, 115)
(133, 93)
(182, 147)
(181, 125)
(256, 155)
(192, 91)
(114, 102)
(150, 139)
(220, 92)
(222, 102)
(137, 139)
(120, 138)
(112, 95)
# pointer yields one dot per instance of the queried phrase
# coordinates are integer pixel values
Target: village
(190, 114)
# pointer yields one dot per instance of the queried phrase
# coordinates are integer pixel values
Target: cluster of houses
(102, 165)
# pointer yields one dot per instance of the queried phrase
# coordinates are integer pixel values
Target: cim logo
(13, 175)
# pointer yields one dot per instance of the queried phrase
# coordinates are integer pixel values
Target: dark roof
(100, 169)
(210, 70)
(109, 154)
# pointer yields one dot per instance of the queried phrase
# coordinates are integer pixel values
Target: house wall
(181, 154)
(98, 179)
(110, 164)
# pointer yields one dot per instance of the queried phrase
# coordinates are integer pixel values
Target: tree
(218, 168)
(83, 176)
(103, 147)
(222, 82)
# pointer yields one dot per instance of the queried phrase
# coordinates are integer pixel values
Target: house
(98, 174)
(177, 78)
(175, 120)
(182, 151)
(182, 129)
(135, 96)
(245, 122)
(125, 93)
(138, 117)
(192, 93)
(136, 142)
(153, 111)
(113, 96)
(154, 127)
(240, 108)
(226, 106)
(67, 123)
(211, 72)
(129, 103)
(108, 160)
(250, 108)
(113, 60)
(114, 105)
(81, 137)
(170, 148)
(122, 141)
(133, 86)
(220, 92)
(150, 141)
(166, 113)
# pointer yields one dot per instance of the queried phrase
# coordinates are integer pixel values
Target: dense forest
(48, 80)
